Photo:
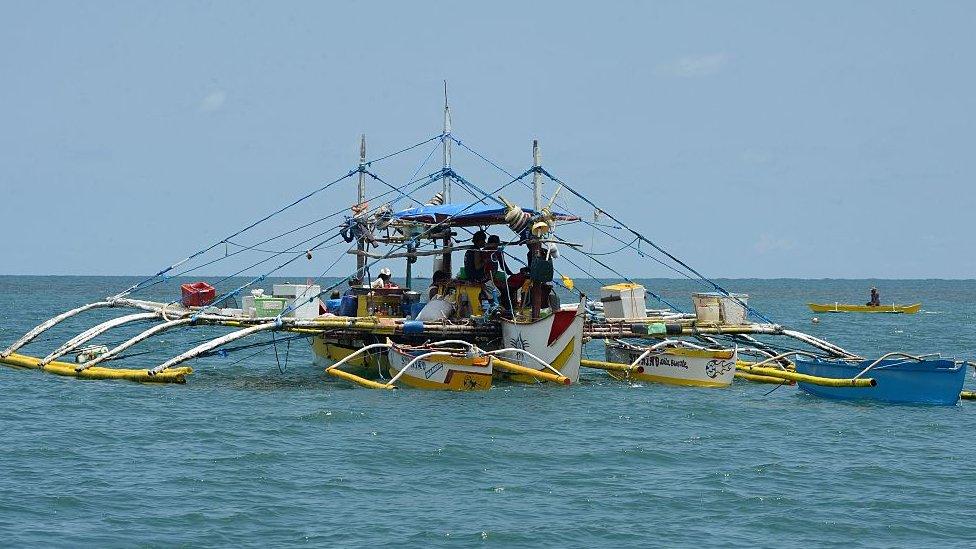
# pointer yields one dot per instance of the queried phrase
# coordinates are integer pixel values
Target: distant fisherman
(875, 298)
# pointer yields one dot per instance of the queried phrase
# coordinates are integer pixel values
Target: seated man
(384, 280)
(875, 298)
(353, 283)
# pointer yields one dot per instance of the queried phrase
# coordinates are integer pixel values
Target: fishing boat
(478, 324)
(900, 378)
(673, 362)
(440, 367)
(850, 308)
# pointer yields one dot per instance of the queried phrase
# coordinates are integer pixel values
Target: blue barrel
(349, 305)
(333, 305)
(413, 327)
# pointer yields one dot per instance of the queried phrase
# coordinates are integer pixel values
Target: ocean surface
(262, 451)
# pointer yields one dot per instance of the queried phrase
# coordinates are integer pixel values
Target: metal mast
(360, 198)
(446, 142)
(536, 176)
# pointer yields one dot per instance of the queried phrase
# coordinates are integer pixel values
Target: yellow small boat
(849, 308)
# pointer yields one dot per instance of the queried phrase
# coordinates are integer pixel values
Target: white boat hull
(556, 339)
(677, 366)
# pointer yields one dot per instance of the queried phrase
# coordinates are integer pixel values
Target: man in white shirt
(384, 280)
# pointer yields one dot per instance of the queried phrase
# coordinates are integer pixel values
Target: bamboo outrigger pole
(47, 324)
(813, 380)
(94, 332)
(129, 343)
(212, 344)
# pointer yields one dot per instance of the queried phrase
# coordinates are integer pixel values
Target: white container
(300, 293)
(734, 312)
(624, 300)
(713, 307)
(295, 290)
(708, 307)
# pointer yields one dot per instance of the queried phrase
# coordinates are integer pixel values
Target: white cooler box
(300, 292)
(624, 300)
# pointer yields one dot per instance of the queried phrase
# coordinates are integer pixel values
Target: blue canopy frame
(466, 214)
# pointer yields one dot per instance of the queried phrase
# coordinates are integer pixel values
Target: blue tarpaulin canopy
(465, 214)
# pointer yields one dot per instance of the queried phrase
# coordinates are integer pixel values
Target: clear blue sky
(818, 139)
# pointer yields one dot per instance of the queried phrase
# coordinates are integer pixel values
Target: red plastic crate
(198, 294)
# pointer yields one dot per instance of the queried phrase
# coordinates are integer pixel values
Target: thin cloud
(213, 101)
(771, 243)
(696, 66)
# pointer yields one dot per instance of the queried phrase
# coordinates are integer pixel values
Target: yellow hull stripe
(368, 366)
(455, 381)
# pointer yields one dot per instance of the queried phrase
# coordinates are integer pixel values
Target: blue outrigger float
(900, 379)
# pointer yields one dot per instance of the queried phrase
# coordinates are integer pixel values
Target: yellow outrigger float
(850, 308)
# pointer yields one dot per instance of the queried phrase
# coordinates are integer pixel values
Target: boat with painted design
(673, 362)
(441, 367)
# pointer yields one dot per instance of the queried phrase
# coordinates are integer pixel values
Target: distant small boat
(849, 308)
(913, 380)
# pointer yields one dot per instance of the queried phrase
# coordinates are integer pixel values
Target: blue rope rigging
(652, 244)
(223, 240)
(142, 283)
(427, 180)
(593, 224)
(639, 237)
(407, 243)
(618, 273)
(264, 276)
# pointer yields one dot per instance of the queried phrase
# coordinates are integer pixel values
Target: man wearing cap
(384, 280)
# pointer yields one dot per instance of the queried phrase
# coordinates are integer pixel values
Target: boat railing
(775, 359)
(918, 358)
(416, 359)
(544, 364)
(666, 343)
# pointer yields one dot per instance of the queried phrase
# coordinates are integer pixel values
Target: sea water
(263, 450)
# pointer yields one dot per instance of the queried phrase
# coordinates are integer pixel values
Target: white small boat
(675, 363)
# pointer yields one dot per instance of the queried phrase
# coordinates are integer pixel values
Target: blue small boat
(900, 380)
